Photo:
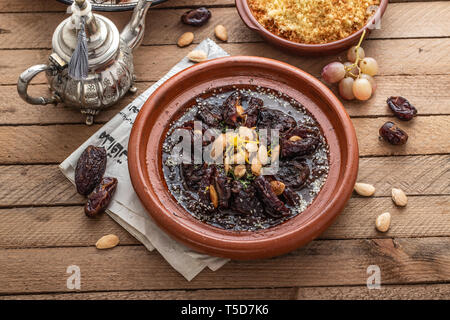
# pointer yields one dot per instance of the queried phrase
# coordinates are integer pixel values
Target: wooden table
(43, 229)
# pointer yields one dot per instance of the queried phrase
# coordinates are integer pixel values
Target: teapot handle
(24, 80)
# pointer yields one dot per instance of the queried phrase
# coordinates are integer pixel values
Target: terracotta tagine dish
(232, 210)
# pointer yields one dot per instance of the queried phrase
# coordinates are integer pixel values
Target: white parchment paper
(126, 208)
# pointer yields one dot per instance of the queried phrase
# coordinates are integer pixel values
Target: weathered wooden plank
(402, 20)
(212, 294)
(45, 5)
(15, 111)
(416, 175)
(152, 62)
(426, 216)
(425, 136)
(53, 143)
(56, 226)
(321, 263)
(429, 94)
(54, 6)
(387, 292)
(40, 185)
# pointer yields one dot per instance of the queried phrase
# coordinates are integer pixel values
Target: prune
(401, 108)
(222, 184)
(192, 174)
(392, 134)
(275, 119)
(252, 112)
(211, 119)
(244, 200)
(90, 169)
(304, 146)
(203, 186)
(229, 111)
(294, 174)
(273, 206)
(196, 17)
(291, 197)
(100, 198)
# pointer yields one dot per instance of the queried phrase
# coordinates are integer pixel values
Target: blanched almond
(185, 39)
(213, 196)
(221, 32)
(383, 222)
(262, 154)
(399, 197)
(197, 55)
(275, 154)
(108, 241)
(364, 189)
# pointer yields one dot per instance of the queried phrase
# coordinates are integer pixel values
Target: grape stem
(356, 63)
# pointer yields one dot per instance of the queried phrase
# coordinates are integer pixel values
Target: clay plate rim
(214, 241)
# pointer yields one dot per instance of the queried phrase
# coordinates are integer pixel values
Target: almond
(221, 32)
(383, 222)
(213, 196)
(240, 111)
(364, 189)
(262, 154)
(197, 55)
(107, 242)
(239, 171)
(277, 187)
(185, 39)
(294, 138)
(256, 167)
(399, 197)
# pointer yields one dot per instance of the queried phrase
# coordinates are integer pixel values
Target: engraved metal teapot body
(110, 71)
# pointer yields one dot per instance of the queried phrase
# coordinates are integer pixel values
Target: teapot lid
(102, 35)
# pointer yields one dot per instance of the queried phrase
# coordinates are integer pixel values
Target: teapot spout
(133, 32)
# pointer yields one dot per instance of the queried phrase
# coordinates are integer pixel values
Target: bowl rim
(250, 21)
(236, 245)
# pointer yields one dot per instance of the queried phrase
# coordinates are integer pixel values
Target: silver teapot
(108, 64)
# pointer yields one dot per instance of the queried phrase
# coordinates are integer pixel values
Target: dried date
(99, 199)
(196, 17)
(392, 134)
(401, 108)
(90, 169)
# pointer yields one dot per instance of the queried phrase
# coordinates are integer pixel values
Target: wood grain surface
(43, 229)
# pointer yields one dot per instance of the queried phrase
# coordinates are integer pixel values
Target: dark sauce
(229, 219)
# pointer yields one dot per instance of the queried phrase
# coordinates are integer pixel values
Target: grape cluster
(355, 77)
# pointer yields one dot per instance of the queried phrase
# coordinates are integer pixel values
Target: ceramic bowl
(301, 48)
(169, 101)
